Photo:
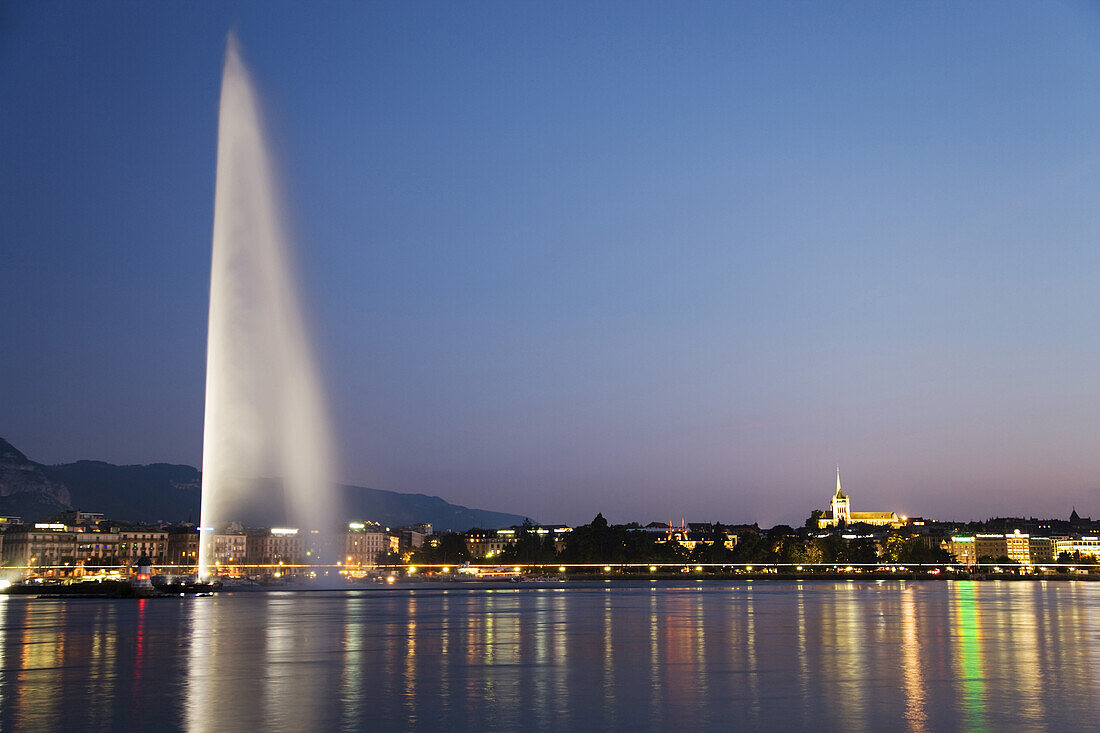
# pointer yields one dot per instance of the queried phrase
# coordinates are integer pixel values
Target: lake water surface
(706, 655)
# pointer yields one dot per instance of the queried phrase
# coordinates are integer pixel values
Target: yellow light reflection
(915, 693)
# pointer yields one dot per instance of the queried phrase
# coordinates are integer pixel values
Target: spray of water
(265, 415)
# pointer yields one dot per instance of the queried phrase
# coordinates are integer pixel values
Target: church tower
(842, 510)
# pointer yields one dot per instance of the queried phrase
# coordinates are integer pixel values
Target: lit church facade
(840, 513)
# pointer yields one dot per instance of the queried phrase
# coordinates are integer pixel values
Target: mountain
(395, 510)
(167, 492)
(25, 489)
(153, 493)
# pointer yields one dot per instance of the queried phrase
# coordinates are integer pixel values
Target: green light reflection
(968, 655)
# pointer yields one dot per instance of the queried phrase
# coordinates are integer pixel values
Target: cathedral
(840, 513)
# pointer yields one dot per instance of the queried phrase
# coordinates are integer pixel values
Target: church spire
(839, 492)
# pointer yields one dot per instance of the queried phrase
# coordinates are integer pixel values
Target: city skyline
(687, 268)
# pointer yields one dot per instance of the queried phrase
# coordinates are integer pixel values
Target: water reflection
(656, 689)
(750, 650)
(352, 692)
(969, 664)
(201, 714)
(912, 673)
(916, 656)
(608, 649)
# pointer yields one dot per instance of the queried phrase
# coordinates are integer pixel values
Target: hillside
(167, 492)
(25, 489)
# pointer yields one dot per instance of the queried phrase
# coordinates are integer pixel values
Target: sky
(659, 260)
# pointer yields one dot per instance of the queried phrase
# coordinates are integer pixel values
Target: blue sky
(651, 259)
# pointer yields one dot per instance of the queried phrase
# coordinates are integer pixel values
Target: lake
(623, 655)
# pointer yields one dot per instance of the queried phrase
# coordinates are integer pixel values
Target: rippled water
(582, 656)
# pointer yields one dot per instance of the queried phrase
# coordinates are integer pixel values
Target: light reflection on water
(583, 656)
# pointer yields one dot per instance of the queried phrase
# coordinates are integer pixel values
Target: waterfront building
(365, 541)
(1077, 547)
(136, 541)
(411, 538)
(840, 513)
(275, 545)
(96, 547)
(230, 546)
(40, 545)
(1042, 550)
(183, 547)
(961, 548)
(1015, 546)
(559, 533)
(57, 543)
(1018, 547)
(488, 543)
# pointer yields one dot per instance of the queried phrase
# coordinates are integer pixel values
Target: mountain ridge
(169, 492)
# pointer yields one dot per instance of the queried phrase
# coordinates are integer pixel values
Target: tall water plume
(266, 439)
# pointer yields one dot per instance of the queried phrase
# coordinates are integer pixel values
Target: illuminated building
(183, 547)
(687, 536)
(58, 543)
(1081, 546)
(365, 541)
(97, 547)
(39, 545)
(840, 513)
(1016, 547)
(133, 542)
(230, 546)
(682, 536)
(488, 542)
(275, 545)
(1042, 550)
(962, 549)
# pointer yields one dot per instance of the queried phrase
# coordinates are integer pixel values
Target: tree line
(600, 542)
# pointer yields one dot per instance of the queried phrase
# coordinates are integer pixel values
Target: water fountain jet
(265, 415)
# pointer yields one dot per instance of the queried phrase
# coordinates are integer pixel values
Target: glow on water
(821, 655)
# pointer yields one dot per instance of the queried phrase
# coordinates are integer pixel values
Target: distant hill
(25, 489)
(153, 493)
(394, 509)
(167, 492)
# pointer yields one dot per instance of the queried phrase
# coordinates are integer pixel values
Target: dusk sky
(659, 260)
